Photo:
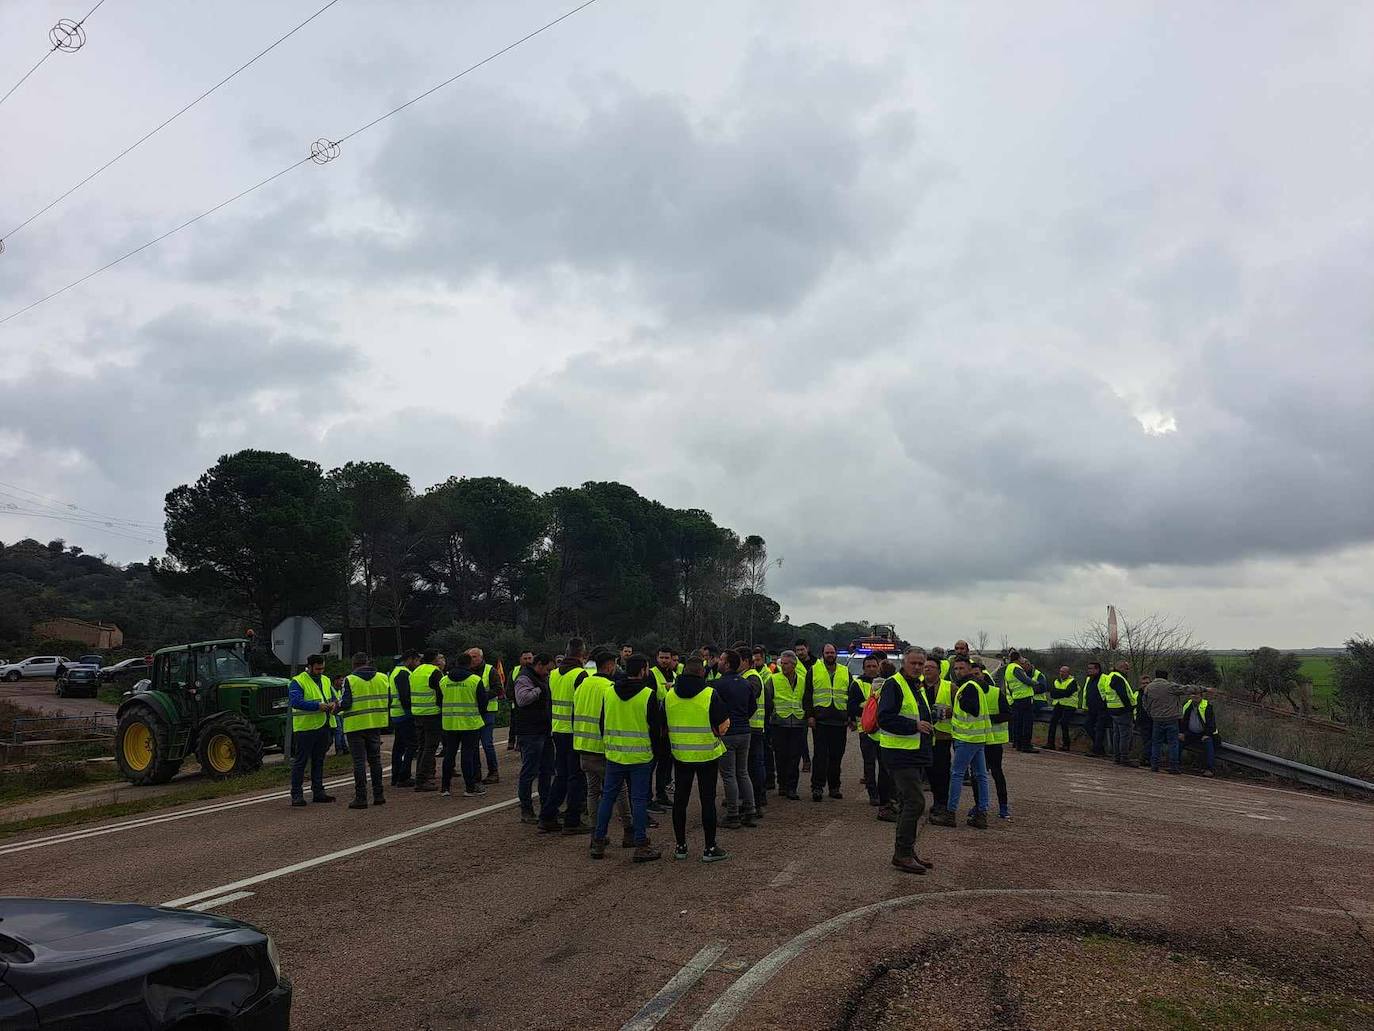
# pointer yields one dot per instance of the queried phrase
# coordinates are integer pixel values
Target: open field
(1317, 668)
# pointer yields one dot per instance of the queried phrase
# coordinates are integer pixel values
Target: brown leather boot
(908, 864)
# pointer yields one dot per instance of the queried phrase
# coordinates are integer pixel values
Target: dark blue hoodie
(738, 696)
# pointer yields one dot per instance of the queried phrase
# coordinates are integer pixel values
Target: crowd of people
(618, 737)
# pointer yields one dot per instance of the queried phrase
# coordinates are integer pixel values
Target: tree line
(266, 534)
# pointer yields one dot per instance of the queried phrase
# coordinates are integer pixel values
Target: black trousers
(663, 772)
(1097, 724)
(1022, 722)
(366, 748)
(1059, 717)
(787, 748)
(309, 746)
(830, 741)
(907, 780)
(705, 774)
(993, 755)
(429, 731)
(402, 749)
(469, 743)
(942, 755)
(877, 777)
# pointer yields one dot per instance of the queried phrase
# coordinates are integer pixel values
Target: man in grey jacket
(1162, 703)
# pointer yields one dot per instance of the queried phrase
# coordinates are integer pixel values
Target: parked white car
(33, 666)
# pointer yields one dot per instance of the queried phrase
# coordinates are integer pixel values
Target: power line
(168, 121)
(66, 35)
(59, 502)
(322, 151)
(10, 510)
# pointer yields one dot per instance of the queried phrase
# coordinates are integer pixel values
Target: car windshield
(222, 662)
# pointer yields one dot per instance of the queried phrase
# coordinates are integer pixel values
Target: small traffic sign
(295, 638)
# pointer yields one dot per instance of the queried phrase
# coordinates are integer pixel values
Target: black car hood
(68, 929)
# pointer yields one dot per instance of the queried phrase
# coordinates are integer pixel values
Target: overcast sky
(983, 315)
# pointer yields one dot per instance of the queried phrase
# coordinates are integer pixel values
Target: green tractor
(204, 701)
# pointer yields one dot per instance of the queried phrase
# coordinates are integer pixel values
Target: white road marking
(149, 821)
(343, 853)
(657, 1008)
(223, 900)
(786, 874)
(725, 1009)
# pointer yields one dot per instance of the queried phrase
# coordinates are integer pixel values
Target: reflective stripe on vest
(371, 701)
(1068, 699)
(1106, 687)
(913, 708)
(589, 699)
(787, 698)
(627, 728)
(1015, 688)
(998, 733)
(422, 700)
(397, 709)
(756, 720)
(493, 703)
(942, 697)
(689, 727)
(968, 727)
(661, 683)
(459, 709)
(303, 720)
(827, 692)
(561, 687)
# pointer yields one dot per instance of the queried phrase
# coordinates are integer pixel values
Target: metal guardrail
(1262, 762)
(1301, 772)
(29, 728)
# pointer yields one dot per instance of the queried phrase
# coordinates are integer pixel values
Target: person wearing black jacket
(704, 773)
(1198, 727)
(740, 703)
(403, 725)
(662, 674)
(805, 660)
(905, 727)
(1097, 719)
(876, 778)
(1061, 709)
(532, 721)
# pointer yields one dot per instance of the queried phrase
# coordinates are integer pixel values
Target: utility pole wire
(56, 46)
(307, 159)
(158, 128)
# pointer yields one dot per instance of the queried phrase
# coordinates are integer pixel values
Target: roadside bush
(1354, 675)
(1349, 753)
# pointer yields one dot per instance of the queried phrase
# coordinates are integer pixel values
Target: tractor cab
(203, 700)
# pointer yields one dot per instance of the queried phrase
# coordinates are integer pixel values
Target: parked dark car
(78, 681)
(78, 965)
(127, 671)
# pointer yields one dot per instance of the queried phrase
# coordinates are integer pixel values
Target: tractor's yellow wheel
(222, 754)
(137, 747)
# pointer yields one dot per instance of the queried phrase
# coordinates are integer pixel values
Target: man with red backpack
(864, 692)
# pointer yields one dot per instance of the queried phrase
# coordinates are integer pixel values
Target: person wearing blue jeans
(970, 728)
(1164, 735)
(631, 719)
(531, 722)
(536, 765)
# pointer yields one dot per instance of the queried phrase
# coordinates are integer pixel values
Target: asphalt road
(448, 913)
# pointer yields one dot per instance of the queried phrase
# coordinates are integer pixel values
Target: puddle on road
(1084, 976)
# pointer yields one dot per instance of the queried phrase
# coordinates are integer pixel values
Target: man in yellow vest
(1119, 696)
(1064, 699)
(424, 709)
(826, 701)
(940, 699)
(632, 716)
(1198, 728)
(760, 753)
(805, 660)
(662, 674)
(997, 708)
(462, 701)
(876, 778)
(697, 719)
(589, 703)
(787, 722)
(971, 728)
(494, 684)
(364, 709)
(402, 723)
(1019, 681)
(313, 705)
(569, 782)
(904, 730)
